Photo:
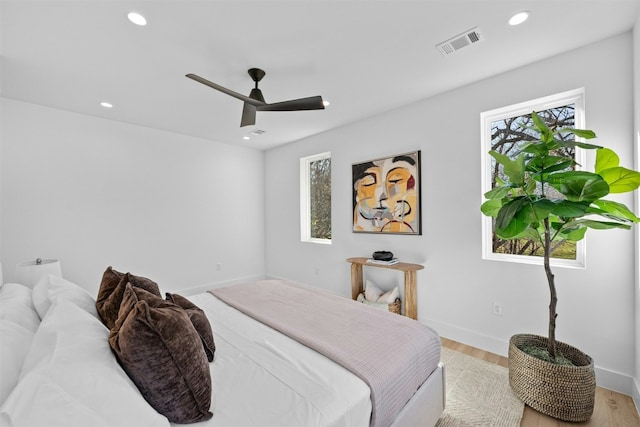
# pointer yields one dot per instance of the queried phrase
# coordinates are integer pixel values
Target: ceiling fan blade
(311, 103)
(255, 101)
(223, 89)
(248, 115)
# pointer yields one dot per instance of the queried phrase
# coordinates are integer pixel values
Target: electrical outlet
(497, 309)
(218, 266)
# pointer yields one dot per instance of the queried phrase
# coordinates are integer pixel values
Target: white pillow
(16, 340)
(371, 291)
(18, 324)
(71, 378)
(50, 287)
(374, 304)
(17, 291)
(390, 296)
(16, 306)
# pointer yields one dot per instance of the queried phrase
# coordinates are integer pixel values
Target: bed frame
(426, 406)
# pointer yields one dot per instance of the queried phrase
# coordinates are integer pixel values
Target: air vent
(257, 132)
(460, 41)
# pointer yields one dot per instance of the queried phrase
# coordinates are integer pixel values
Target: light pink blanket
(392, 354)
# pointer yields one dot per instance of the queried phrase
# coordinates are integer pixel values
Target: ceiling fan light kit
(255, 101)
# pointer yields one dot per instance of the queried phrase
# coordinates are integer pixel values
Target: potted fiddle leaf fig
(542, 196)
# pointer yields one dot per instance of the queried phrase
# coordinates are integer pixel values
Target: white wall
(636, 91)
(93, 193)
(457, 288)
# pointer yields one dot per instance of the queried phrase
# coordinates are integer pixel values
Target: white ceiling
(365, 57)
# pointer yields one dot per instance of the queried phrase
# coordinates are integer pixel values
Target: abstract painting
(386, 195)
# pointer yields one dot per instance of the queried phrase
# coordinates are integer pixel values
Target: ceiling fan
(255, 101)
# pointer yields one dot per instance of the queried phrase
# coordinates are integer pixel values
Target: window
(505, 130)
(315, 198)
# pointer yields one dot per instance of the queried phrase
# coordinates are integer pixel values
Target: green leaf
(616, 210)
(582, 133)
(579, 185)
(513, 230)
(535, 211)
(580, 144)
(554, 144)
(506, 222)
(532, 233)
(569, 209)
(530, 185)
(574, 234)
(606, 159)
(545, 133)
(507, 212)
(491, 207)
(497, 192)
(514, 169)
(549, 164)
(534, 147)
(621, 180)
(603, 225)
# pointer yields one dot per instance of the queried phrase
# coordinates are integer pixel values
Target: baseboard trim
(469, 337)
(605, 378)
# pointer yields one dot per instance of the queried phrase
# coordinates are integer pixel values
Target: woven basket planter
(563, 392)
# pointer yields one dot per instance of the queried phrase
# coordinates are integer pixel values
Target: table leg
(410, 297)
(356, 280)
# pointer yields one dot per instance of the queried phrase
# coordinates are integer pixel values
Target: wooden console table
(410, 296)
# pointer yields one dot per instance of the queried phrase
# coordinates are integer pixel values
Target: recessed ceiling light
(106, 104)
(137, 19)
(519, 18)
(246, 138)
(326, 103)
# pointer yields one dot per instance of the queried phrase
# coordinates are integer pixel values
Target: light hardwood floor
(611, 409)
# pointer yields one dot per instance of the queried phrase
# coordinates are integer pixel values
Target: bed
(58, 369)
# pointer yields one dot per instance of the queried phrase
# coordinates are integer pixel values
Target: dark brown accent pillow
(160, 350)
(111, 291)
(199, 320)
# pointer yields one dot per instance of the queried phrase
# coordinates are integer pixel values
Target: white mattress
(261, 378)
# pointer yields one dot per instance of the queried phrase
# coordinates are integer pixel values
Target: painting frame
(386, 195)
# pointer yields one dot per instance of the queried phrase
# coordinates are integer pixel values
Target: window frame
(576, 97)
(305, 198)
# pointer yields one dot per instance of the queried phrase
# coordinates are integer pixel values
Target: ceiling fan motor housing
(256, 74)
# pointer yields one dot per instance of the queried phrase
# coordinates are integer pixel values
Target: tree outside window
(506, 131)
(320, 189)
(315, 196)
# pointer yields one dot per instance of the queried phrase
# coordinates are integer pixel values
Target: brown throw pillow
(160, 350)
(111, 291)
(199, 320)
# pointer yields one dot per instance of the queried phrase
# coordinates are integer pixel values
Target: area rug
(478, 393)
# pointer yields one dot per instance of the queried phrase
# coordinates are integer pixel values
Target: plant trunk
(551, 344)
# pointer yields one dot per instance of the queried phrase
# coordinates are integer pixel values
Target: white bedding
(70, 377)
(259, 376)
